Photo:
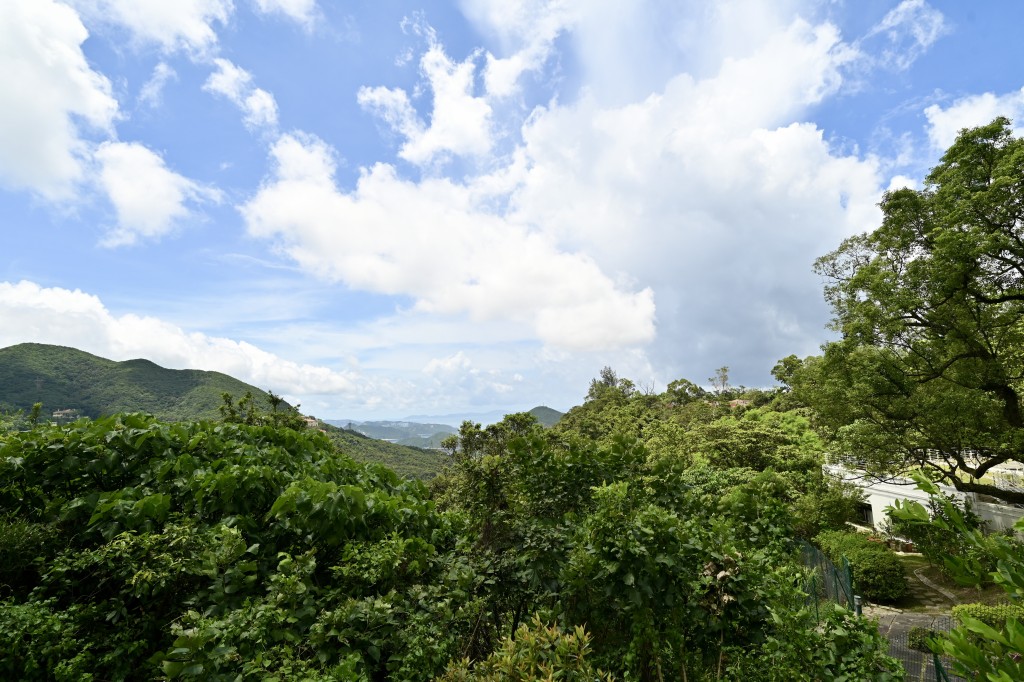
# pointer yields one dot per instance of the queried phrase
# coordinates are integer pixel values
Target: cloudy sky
(381, 209)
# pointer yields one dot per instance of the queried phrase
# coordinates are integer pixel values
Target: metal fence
(826, 582)
(924, 666)
(831, 583)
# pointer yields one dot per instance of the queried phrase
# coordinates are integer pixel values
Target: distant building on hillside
(66, 414)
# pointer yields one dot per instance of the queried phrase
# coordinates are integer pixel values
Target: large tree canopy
(928, 371)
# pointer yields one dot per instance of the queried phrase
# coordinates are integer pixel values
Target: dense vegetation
(134, 548)
(69, 379)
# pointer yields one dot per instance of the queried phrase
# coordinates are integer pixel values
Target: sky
(384, 209)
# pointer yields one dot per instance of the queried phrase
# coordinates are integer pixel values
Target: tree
(720, 381)
(930, 305)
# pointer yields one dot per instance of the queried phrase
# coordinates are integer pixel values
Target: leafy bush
(38, 642)
(842, 647)
(939, 544)
(537, 652)
(994, 616)
(877, 572)
(917, 638)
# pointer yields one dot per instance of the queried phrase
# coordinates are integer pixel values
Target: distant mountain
(429, 431)
(546, 415)
(401, 432)
(455, 419)
(412, 462)
(82, 384)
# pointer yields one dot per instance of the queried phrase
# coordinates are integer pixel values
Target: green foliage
(207, 550)
(938, 543)
(919, 638)
(537, 652)
(841, 647)
(245, 549)
(39, 642)
(877, 572)
(929, 306)
(993, 615)
(992, 650)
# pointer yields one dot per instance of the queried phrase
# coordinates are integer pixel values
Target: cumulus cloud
(968, 112)
(708, 191)
(710, 194)
(48, 96)
(150, 200)
(185, 25)
(460, 122)
(258, 106)
(433, 242)
(53, 315)
(527, 30)
(304, 12)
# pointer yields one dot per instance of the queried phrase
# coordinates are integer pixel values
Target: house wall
(882, 494)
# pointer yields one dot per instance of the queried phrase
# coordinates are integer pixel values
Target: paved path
(895, 624)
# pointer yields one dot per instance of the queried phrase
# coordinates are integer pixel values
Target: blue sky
(382, 209)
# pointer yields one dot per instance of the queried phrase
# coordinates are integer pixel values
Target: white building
(881, 494)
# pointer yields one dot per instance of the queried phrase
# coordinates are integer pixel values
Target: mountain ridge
(69, 379)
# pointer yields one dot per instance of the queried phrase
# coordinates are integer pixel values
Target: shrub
(994, 616)
(537, 652)
(938, 544)
(918, 637)
(877, 572)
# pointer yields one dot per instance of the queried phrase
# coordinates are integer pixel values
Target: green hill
(545, 415)
(404, 460)
(64, 378)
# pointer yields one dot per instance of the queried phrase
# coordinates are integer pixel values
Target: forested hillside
(64, 378)
(644, 537)
(405, 460)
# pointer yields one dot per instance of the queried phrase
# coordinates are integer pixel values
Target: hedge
(992, 615)
(877, 572)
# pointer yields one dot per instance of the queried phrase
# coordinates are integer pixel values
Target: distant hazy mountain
(401, 432)
(65, 378)
(413, 430)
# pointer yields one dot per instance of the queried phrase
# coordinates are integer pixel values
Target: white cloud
(909, 29)
(180, 25)
(150, 200)
(433, 242)
(902, 181)
(972, 111)
(303, 12)
(258, 106)
(73, 318)
(711, 193)
(527, 30)
(460, 122)
(47, 89)
(448, 365)
(151, 93)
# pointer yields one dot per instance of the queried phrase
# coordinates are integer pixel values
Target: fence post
(848, 575)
